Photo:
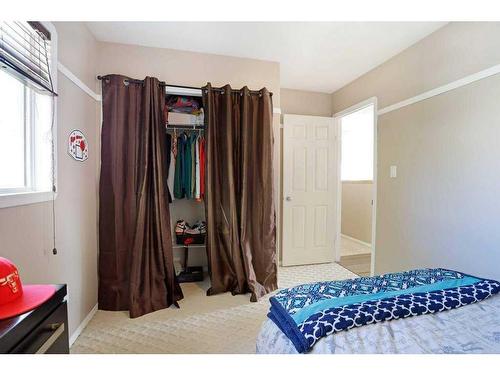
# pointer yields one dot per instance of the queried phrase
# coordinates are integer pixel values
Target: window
(26, 121)
(25, 137)
(25, 49)
(357, 145)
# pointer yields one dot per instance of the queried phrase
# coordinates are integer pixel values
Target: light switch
(393, 171)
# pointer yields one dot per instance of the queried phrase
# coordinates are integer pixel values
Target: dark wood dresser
(39, 331)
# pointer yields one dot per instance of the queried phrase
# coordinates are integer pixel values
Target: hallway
(355, 256)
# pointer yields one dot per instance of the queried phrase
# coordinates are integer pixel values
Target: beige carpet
(349, 247)
(355, 256)
(216, 324)
(358, 264)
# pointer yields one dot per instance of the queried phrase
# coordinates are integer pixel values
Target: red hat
(15, 298)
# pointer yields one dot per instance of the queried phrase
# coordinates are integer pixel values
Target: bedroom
(189, 181)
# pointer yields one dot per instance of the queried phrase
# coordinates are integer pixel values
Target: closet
(185, 129)
(142, 120)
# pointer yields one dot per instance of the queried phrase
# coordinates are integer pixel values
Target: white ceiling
(315, 56)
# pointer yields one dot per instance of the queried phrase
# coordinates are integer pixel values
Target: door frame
(337, 116)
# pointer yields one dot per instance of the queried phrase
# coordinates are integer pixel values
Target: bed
(467, 320)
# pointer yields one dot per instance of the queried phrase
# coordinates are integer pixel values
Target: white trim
(356, 240)
(24, 198)
(78, 82)
(337, 116)
(442, 89)
(277, 110)
(338, 205)
(374, 187)
(357, 107)
(82, 326)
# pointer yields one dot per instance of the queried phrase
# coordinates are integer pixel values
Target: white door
(309, 189)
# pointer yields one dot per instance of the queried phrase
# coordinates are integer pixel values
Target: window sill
(25, 198)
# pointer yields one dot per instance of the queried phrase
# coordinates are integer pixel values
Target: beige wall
(442, 209)
(25, 231)
(450, 53)
(193, 69)
(356, 221)
(298, 102)
(189, 68)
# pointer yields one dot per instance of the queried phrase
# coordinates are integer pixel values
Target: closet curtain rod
(140, 81)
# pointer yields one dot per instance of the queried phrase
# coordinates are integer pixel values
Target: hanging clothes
(193, 165)
(174, 143)
(168, 153)
(187, 171)
(171, 145)
(188, 157)
(180, 167)
(171, 168)
(202, 167)
(197, 170)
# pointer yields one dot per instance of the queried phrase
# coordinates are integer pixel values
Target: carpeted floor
(355, 256)
(359, 264)
(216, 324)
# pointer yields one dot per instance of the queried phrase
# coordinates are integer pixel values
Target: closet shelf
(184, 126)
(180, 246)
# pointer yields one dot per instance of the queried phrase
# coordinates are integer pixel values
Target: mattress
(470, 329)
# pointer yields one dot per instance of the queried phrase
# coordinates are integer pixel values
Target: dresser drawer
(50, 336)
(43, 329)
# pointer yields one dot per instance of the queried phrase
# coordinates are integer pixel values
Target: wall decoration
(78, 147)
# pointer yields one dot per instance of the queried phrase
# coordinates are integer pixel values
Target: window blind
(25, 52)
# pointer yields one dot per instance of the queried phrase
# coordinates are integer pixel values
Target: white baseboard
(356, 240)
(82, 326)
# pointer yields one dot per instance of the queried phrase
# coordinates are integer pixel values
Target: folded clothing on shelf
(184, 104)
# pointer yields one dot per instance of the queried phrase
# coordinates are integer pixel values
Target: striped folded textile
(308, 312)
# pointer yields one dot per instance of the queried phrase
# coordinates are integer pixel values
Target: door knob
(288, 198)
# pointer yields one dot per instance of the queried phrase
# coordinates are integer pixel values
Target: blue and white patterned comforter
(308, 313)
(472, 329)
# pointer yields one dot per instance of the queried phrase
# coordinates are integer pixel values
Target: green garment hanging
(188, 166)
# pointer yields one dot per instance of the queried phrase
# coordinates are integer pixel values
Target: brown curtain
(136, 270)
(241, 223)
